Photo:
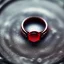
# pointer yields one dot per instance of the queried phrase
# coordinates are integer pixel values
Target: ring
(34, 36)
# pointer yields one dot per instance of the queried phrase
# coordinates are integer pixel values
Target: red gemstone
(34, 36)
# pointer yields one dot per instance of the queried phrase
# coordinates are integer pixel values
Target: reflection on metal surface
(15, 48)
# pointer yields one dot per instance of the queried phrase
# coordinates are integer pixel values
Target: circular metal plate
(15, 48)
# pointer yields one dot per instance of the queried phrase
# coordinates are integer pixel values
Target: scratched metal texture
(15, 48)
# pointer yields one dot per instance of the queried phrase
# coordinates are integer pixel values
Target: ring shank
(34, 19)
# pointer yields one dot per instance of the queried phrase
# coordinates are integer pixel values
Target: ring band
(34, 36)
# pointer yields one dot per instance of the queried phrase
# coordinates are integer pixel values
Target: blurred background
(59, 3)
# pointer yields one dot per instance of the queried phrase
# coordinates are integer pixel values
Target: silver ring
(34, 36)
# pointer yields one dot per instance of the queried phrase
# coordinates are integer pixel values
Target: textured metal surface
(15, 48)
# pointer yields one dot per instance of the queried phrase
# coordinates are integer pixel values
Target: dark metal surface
(15, 48)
